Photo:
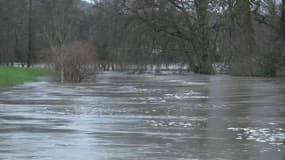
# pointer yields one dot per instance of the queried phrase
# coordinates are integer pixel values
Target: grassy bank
(12, 76)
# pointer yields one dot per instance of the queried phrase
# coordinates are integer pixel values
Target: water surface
(129, 117)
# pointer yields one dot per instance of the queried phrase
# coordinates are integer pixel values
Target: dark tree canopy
(245, 36)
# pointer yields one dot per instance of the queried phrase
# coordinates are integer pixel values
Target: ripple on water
(187, 95)
(164, 123)
(274, 136)
(142, 117)
(188, 83)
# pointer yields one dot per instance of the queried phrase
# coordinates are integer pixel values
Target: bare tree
(73, 62)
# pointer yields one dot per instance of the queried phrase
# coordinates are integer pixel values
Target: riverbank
(10, 76)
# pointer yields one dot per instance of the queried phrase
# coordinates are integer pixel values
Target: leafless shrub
(73, 62)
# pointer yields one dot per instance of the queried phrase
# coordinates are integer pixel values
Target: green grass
(10, 76)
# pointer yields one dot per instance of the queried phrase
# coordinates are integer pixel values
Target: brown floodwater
(128, 117)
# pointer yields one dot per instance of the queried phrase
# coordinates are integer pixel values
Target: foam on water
(185, 95)
(274, 136)
(163, 123)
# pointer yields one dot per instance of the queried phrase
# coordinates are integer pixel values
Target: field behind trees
(245, 36)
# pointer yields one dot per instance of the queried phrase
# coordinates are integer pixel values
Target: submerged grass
(10, 76)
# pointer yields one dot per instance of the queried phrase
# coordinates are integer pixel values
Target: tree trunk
(62, 73)
(203, 59)
(283, 21)
(244, 62)
(246, 26)
(30, 34)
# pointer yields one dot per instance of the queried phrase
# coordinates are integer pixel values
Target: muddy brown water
(137, 117)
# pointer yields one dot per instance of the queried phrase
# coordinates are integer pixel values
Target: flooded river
(137, 117)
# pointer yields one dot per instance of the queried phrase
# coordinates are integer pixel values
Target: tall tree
(30, 33)
(202, 47)
(244, 60)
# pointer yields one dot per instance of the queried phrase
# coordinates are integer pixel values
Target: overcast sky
(90, 1)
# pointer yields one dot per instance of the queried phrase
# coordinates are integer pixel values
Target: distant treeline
(246, 36)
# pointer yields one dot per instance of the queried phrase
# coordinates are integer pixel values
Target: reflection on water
(145, 117)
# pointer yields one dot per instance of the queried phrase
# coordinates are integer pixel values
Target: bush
(73, 62)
